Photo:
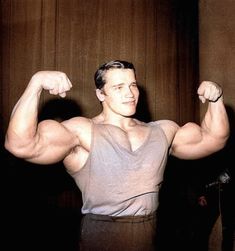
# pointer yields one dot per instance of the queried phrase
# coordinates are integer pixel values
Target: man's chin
(130, 114)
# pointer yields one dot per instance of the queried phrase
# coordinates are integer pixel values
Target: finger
(214, 93)
(66, 80)
(207, 92)
(62, 95)
(67, 85)
(70, 84)
(201, 88)
(203, 100)
(53, 92)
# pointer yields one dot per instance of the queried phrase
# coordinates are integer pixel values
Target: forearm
(215, 122)
(23, 121)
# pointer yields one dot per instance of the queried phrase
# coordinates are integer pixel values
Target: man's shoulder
(77, 122)
(165, 123)
(169, 127)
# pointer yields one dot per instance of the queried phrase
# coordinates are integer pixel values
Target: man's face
(121, 92)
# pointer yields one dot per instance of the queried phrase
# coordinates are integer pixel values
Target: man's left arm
(194, 141)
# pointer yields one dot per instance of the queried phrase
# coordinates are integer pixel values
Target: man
(117, 161)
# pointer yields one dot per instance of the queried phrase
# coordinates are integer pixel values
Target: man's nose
(129, 92)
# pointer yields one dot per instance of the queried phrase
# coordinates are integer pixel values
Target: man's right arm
(49, 141)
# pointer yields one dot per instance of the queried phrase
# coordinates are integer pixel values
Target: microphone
(222, 179)
(213, 184)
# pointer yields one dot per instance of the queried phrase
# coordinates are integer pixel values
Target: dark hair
(115, 64)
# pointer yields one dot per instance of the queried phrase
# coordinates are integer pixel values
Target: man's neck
(119, 121)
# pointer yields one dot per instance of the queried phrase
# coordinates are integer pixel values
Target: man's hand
(56, 82)
(209, 91)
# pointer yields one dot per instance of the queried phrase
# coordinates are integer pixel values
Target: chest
(131, 139)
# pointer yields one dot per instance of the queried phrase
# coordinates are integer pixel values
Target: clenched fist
(210, 91)
(56, 82)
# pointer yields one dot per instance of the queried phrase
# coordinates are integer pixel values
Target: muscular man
(116, 160)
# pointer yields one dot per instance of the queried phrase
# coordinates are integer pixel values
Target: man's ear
(100, 95)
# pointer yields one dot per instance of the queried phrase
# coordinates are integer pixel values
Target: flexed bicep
(24, 137)
(187, 140)
(193, 142)
(51, 144)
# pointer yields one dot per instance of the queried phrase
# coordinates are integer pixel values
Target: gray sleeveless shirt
(116, 181)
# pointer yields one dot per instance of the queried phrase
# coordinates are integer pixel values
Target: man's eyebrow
(119, 84)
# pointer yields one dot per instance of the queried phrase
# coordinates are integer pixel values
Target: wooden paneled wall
(76, 36)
